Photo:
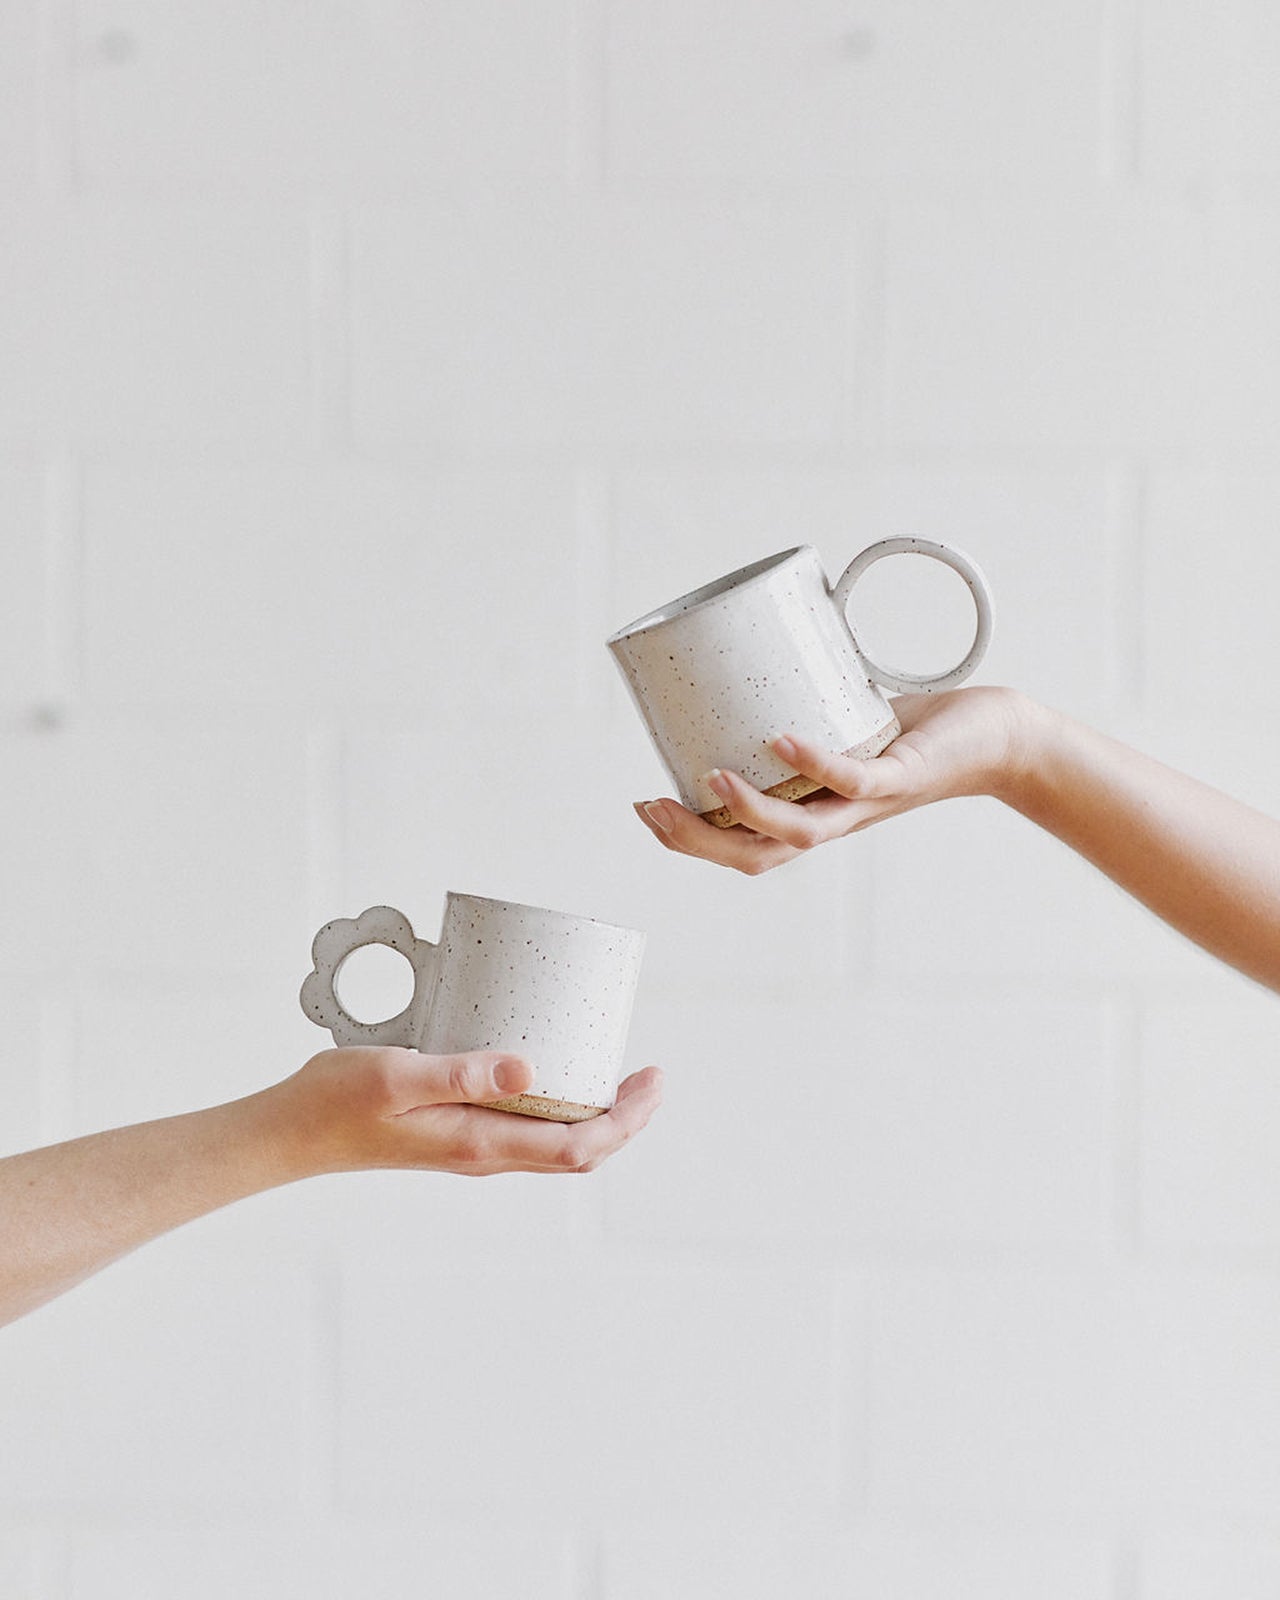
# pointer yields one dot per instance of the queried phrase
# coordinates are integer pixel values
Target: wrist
(317, 1121)
(1034, 735)
(277, 1137)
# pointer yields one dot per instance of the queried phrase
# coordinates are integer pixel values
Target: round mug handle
(331, 947)
(912, 682)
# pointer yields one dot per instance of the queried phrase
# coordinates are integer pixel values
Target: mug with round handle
(769, 649)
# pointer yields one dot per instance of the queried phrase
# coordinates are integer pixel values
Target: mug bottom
(798, 788)
(541, 1105)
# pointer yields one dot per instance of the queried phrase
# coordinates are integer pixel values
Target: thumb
(473, 1078)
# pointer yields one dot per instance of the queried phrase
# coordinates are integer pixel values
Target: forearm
(70, 1209)
(1207, 864)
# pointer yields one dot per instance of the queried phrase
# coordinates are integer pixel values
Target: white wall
(361, 367)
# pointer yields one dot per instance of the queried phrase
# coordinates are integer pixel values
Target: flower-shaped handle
(331, 947)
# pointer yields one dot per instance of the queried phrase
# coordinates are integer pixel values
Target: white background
(361, 367)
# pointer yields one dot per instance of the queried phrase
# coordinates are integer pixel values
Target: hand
(67, 1210)
(968, 741)
(351, 1109)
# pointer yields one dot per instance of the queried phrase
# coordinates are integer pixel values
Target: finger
(845, 775)
(468, 1079)
(653, 816)
(798, 826)
(686, 832)
(582, 1146)
(834, 816)
(526, 1144)
(638, 1097)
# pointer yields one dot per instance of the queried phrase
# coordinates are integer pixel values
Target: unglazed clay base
(538, 1105)
(798, 787)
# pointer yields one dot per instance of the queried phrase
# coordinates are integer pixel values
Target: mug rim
(549, 911)
(707, 594)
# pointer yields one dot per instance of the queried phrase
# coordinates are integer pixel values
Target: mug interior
(707, 593)
(539, 911)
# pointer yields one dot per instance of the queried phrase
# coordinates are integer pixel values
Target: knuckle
(846, 780)
(462, 1079)
(382, 1079)
(572, 1155)
(803, 833)
(818, 763)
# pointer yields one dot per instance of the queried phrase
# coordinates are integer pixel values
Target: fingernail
(657, 814)
(715, 779)
(509, 1075)
(781, 744)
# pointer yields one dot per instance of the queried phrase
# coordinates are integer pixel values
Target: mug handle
(331, 947)
(912, 682)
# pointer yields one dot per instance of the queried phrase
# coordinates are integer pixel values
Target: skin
(68, 1210)
(1205, 863)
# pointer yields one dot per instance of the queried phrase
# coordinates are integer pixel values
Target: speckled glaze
(765, 650)
(552, 987)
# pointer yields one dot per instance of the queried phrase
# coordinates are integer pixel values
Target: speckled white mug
(554, 988)
(767, 650)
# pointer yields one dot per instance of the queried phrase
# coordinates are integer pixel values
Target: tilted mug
(767, 650)
(554, 988)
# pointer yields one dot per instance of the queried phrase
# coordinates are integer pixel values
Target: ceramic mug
(768, 650)
(554, 988)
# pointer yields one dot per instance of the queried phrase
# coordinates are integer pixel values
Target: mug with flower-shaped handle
(554, 988)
